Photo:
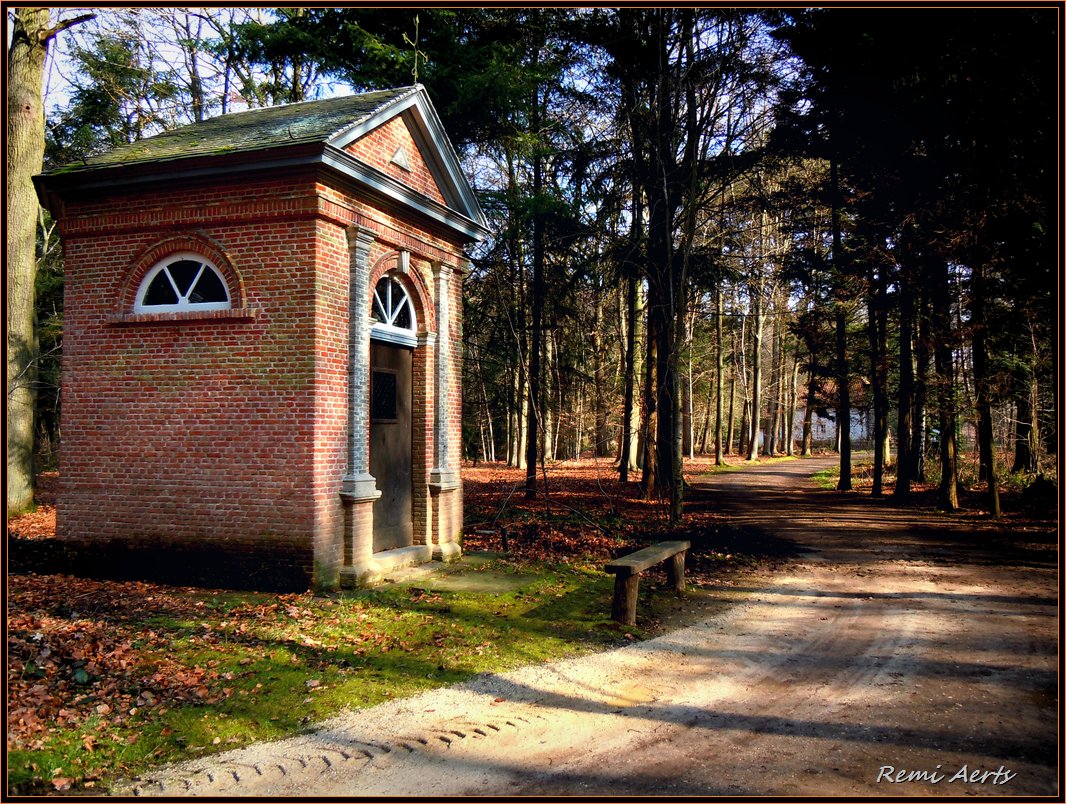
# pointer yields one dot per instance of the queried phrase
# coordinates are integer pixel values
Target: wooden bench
(627, 571)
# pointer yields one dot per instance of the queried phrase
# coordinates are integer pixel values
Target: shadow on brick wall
(204, 566)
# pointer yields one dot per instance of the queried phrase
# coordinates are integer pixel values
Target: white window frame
(183, 304)
(385, 330)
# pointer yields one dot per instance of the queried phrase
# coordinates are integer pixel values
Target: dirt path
(901, 654)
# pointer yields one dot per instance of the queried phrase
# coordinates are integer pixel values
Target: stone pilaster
(444, 479)
(424, 418)
(358, 489)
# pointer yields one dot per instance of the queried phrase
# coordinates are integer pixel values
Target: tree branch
(48, 34)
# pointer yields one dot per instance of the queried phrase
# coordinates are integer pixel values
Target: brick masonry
(225, 436)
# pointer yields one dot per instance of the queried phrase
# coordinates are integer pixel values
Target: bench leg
(675, 571)
(624, 605)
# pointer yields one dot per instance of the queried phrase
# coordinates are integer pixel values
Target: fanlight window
(182, 283)
(392, 314)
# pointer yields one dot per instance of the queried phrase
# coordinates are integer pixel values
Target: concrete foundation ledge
(404, 556)
(377, 569)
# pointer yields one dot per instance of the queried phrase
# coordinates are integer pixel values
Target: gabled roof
(298, 133)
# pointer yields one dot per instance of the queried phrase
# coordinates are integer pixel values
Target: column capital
(443, 270)
(360, 236)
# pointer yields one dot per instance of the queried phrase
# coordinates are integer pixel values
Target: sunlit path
(894, 657)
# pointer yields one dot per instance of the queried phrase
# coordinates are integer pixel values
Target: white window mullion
(174, 285)
(397, 310)
(192, 286)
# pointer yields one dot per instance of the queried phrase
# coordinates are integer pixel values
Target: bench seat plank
(648, 557)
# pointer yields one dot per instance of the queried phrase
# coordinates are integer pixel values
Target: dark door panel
(390, 444)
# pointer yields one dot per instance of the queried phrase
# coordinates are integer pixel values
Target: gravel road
(901, 654)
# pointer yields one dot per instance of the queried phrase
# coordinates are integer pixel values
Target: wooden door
(390, 444)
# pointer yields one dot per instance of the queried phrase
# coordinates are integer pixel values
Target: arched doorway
(392, 344)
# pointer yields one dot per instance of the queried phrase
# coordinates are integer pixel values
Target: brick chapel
(262, 343)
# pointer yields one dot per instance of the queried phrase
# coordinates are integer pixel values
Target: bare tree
(31, 32)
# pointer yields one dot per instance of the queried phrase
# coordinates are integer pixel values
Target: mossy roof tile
(255, 129)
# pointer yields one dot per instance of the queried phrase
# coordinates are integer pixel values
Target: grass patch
(827, 478)
(242, 667)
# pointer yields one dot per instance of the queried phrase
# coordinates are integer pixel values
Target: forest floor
(108, 672)
(899, 652)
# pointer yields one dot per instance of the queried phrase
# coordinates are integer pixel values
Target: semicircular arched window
(182, 283)
(392, 314)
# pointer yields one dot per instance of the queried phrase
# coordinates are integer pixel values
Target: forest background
(712, 229)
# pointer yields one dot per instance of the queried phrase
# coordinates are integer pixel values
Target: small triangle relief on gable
(392, 148)
(400, 159)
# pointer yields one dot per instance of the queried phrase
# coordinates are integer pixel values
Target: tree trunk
(537, 309)
(25, 157)
(922, 358)
(579, 424)
(905, 398)
(548, 425)
(602, 447)
(947, 496)
(719, 381)
(1024, 421)
(626, 454)
(876, 325)
(982, 385)
(732, 420)
(745, 428)
(705, 430)
(560, 397)
(756, 375)
(688, 425)
(843, 374)
(636, 452)
(733, 372)
(773, 408)
(490, 451)
(677, 480)
(793, 397)
(517, 450)
(663, 307)
(808, 411)
(649, 465)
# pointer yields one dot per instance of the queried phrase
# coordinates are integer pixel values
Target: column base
(365, 573)
(359, 487)
(443, 479)
(449, 551)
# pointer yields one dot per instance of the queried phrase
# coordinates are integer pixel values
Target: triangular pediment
(392, 149)
(408, 130)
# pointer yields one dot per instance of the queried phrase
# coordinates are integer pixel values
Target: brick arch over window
(161, 249)
(414, 283)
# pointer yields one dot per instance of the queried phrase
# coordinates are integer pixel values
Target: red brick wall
(221, 434)
(192, 431)
(330, 421)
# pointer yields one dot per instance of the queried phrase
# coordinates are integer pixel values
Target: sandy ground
(901, 654)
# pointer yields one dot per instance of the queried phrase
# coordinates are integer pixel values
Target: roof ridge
(410, 90)
(291, 104)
